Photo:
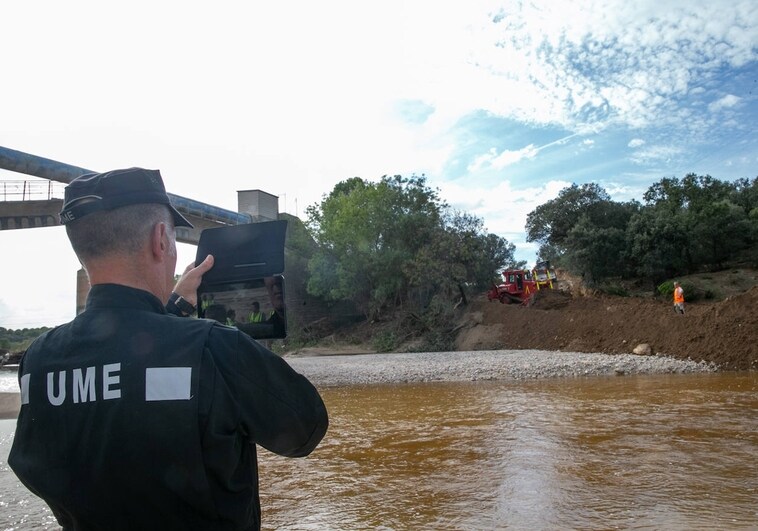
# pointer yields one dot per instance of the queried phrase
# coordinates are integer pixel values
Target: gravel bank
(481, 365)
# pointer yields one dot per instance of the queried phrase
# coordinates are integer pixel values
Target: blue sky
(500, 104)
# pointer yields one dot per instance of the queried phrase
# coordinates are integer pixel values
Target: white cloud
(503, 208)
(504, 159)
(605, 62)
(726, 102)
(636, 142)
(652, 154)
(624, 192)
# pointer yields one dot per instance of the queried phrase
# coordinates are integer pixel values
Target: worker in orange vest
(678, 298)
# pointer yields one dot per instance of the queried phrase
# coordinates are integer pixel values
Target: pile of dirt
(724, 333)
(577, 319)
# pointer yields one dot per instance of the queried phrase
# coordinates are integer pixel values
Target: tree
(366, 232)
(550, 223)
(685, 224)
(16, 340)
(745, 194)
(461, 254)
(707, 220)
(720, 230)
(658, 243)
(566, 226)
(596, 252)
(393, 243)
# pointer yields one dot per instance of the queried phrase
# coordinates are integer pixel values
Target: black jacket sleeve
(277, 408)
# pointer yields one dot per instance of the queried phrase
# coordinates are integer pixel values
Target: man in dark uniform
(135, 418)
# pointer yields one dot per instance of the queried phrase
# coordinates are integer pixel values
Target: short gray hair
(119, 231)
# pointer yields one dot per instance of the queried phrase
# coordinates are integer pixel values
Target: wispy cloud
(636, 142)
(652, 154)
(490, 202)
(506, 158)
(606, 62)
(726, 102)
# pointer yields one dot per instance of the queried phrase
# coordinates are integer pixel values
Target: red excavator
(521, 285)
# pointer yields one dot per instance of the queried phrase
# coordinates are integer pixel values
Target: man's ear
(159, 244)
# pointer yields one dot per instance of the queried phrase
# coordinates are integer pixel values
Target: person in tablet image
(256, 315)
(277, 317)
(207, 301)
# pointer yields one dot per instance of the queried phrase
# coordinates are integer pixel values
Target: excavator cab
(521, 285)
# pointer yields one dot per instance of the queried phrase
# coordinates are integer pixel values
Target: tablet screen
(255, 306)
(245, 287)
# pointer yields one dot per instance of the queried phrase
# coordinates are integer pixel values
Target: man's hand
(188, 283)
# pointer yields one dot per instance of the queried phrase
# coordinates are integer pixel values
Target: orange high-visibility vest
(678, 295)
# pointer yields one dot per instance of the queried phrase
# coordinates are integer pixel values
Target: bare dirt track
(724, 333)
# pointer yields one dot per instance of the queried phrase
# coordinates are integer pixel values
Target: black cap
(94, 192)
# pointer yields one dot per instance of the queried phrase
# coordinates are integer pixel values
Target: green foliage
(614, 289)
(719, 229)
(385, 341)
(366, 232)
(692, 293)
(684, 226)
(595, 251)
(745, 195)
(666, 288)
(658, 244)
(693, 223)
(19, 340)
(583, 230)
(460, 253)
(550, 223)
(436, 323)
(393, 244)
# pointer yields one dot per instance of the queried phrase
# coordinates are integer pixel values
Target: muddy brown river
(632, 452)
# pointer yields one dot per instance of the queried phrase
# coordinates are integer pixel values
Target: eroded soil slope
(724, 332)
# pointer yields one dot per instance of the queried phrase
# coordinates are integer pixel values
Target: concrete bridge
(28, 204)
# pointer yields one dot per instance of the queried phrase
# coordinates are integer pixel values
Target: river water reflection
(655, 452)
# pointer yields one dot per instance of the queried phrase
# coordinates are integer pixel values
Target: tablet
(245, 287)
(243, 252)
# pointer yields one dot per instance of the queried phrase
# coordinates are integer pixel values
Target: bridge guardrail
(31, 190)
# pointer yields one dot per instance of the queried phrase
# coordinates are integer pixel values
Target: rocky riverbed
(481, 365)
(327, 370)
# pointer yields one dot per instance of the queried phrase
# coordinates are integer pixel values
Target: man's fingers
(206, 264)
(190, 280)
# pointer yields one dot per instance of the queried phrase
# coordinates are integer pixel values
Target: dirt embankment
(724, 332)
